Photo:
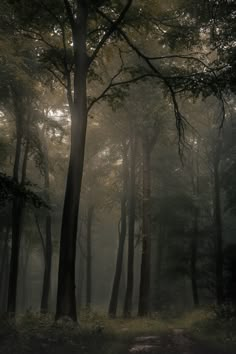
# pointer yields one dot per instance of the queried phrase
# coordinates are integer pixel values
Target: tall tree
(19, 175)
(48, 234)
(122, 234)
(131, 222)
(90, 216)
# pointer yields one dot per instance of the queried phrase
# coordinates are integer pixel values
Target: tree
(89, 257)
(122, 234)
(131, 221)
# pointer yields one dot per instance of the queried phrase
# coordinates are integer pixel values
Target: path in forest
(173, 342)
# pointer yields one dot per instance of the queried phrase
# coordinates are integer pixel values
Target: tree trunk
(48, 239)
(144, 290)
(159, 261)
(47, 265)
(131, 228)
(89, 258)
(194, 247)
(82, 257)
(4, 270)
(6, 281)
(66, 300)
(122, 234)
(218, 228)
(17, 214)
(195, 234)
(24, 273)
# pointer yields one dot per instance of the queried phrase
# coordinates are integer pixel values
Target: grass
(33, 333)
(214, 326)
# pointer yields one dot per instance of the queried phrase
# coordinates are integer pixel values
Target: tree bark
(82, 258)
(131, 227)
(24, 273)
(218, 228)
(47, 265)
(48, 239)
(17, 212)
(89, 258)
(195, 234)
(159, 262)
(66, 299)
(144, 290)
(4, 270)
(122, 234)
(194, 248)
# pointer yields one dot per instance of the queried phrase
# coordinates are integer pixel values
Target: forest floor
(199, 332)
(175, 342)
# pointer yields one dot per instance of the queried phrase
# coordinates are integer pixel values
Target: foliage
(10, 189)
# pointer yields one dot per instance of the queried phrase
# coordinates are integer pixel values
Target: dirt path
(174, 342)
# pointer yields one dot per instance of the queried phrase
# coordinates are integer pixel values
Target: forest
(117, 176)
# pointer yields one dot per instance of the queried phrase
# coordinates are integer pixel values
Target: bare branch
(51, 12)
(57, 77)
(181, 121)
(113, 27)
(29, 33)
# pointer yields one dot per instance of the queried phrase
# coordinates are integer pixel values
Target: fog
(117, 158)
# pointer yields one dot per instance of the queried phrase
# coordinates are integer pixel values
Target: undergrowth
(95, 333)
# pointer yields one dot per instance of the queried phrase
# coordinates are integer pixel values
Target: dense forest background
(117, 156)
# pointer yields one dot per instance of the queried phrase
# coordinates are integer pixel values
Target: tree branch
(181, 121)
(57, 77)
(112, 29)
(69, 13)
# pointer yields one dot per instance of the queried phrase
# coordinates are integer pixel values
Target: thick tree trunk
(66, 300)
(89, 257)
(219, 237)
(144, 290)
(17, 215)
(131, 228)
(122, 234)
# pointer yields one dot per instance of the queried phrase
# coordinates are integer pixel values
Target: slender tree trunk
(194, 247)
(47, 265)
(24, 274)
(131, 228)
(195, 234)
(159, 261)
(89, 258)
(80, 285)
(219, 237)
(144, 290)
(6, 281)
(66, 300)
(4, 270)
(82, 257)
(122, 234)
(48, 239)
